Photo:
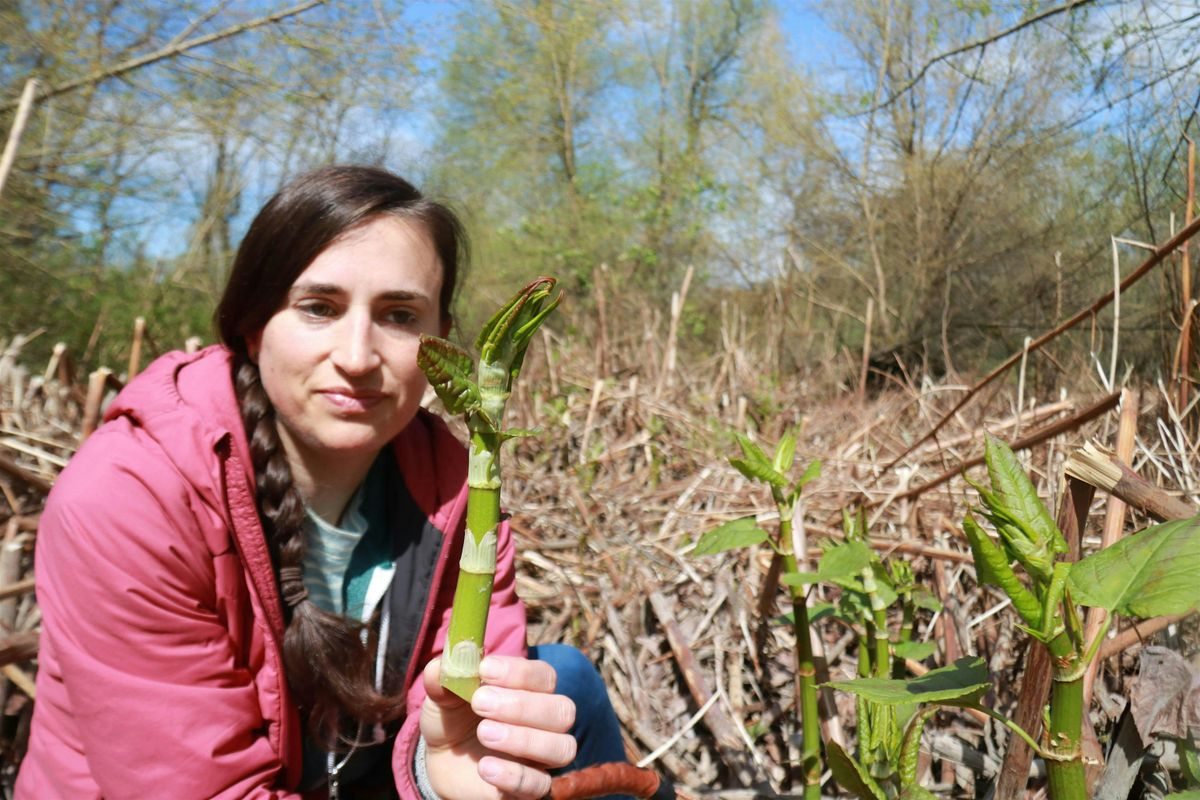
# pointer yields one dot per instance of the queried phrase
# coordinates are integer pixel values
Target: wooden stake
(866, 350)
(24, 106)
(1185, 333)
(667, 375)
(97, 383)
(1114, 523)
(135, 350)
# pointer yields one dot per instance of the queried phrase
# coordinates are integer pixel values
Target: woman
(246, 573)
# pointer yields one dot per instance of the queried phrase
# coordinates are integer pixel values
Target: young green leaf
(850, 775)
(961, 683)
(1149, 574)
(741, 532)
(844, 560)
(992, 569)
(840, 564)
(752, 451)
(759, 471)
(449, 368)
(811, 472)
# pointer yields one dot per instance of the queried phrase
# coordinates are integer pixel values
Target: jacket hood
(186, 403)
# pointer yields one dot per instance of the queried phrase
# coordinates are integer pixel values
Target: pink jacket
(159, 673)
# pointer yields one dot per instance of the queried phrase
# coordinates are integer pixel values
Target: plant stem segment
(1064, 754)
(806, 673)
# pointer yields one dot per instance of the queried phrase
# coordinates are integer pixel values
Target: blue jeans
(596, 729)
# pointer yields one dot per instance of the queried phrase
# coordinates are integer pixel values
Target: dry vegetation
(630, 468)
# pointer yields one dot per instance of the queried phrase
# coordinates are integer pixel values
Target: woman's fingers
(518, 673)
(514, 780)
(548, 712)
(543, 747)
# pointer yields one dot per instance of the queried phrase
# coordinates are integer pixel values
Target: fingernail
(490, 732)
(493, 669)
(485, 700)
(489, 769)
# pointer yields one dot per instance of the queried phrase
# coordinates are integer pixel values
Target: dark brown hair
(328, 668)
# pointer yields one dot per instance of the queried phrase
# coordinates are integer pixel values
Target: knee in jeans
(577, 676)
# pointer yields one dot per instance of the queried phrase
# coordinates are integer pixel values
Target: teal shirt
(347, 570)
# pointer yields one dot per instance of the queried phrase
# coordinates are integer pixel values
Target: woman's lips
(351, 401)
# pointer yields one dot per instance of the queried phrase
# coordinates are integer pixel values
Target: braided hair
(328, 669)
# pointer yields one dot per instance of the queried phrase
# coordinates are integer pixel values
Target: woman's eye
(401, 316)
(317, 310)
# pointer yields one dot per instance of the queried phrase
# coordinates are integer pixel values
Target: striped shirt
(328, 549)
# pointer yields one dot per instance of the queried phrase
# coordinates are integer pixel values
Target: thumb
(446, 719)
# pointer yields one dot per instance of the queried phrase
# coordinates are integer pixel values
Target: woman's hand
(503, 742)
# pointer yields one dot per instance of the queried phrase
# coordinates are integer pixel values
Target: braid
(328, 668)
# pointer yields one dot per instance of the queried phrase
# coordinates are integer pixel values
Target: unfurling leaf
(506, 336)
(850, 775)
(1149, 574)
(1014, 493)
(448, 368)
(741, 532)
(785, 453)
(961, 683)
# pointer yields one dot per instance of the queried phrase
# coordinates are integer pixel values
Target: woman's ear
(253, 343)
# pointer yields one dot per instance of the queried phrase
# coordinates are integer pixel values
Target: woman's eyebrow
(316, 288)
(399, 294)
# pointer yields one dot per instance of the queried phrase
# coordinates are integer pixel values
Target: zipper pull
(333, 768)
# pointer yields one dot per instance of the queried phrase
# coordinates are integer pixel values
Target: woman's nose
(355, 350)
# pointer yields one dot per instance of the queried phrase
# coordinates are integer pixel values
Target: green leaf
(785, 453)
(1149, 574)
(1192, 795)
(448, 368)
(838, 562)
(850, 775)
(961, 683)
(757, 471)
(924, 599)
(917, 651)
(518, 433)
(752, 451)
(741, 532)
(800, 578)
(849, 558)
(812, 471)
(992, 569)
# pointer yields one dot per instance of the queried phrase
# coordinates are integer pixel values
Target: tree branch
(977, 44)
(169, 51)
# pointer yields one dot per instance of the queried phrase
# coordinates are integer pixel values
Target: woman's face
(339, 358)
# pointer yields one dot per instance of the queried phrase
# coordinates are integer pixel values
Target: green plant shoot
(870, 587)
(1148, 574)
(773, 470)
(481, 400)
